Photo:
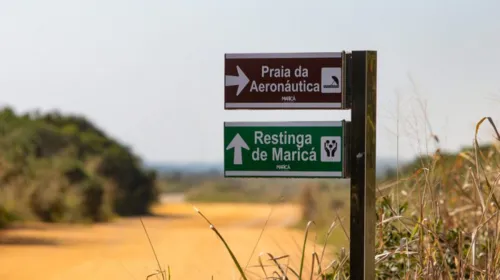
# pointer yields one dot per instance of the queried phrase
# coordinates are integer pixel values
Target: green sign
(284, 149)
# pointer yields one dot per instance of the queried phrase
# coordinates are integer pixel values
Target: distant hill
(194, 167)
(383, 164)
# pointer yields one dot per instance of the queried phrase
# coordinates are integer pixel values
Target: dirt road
(182, 240)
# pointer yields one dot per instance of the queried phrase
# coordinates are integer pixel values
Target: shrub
(6, 217)
(63, 168)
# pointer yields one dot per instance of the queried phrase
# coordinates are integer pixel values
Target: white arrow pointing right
(237, 143)
(241, 80)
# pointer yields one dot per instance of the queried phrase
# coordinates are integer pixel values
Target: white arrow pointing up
(237, 143)
(241, 80)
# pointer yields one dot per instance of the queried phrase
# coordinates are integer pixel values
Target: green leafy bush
(6, 217)
(63, 168)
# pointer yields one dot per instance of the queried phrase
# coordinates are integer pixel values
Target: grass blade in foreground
(225, 243)
(304, 249)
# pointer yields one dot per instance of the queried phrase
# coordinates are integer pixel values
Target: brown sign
(285, 81)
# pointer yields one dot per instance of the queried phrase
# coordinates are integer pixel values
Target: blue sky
(151, 72)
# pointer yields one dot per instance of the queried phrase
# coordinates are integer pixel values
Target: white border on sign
(330, 105)
(283, 55)
(284, 173)
(285, 124)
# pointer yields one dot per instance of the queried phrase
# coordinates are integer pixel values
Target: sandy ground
(182, 240)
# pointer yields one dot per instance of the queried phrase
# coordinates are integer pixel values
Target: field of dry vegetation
(437, 218)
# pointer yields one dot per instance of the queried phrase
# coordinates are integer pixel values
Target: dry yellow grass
(184, 242)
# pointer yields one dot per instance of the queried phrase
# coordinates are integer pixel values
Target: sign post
(331, 149)
(363, 85)
(284, 149)
(284, 81)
